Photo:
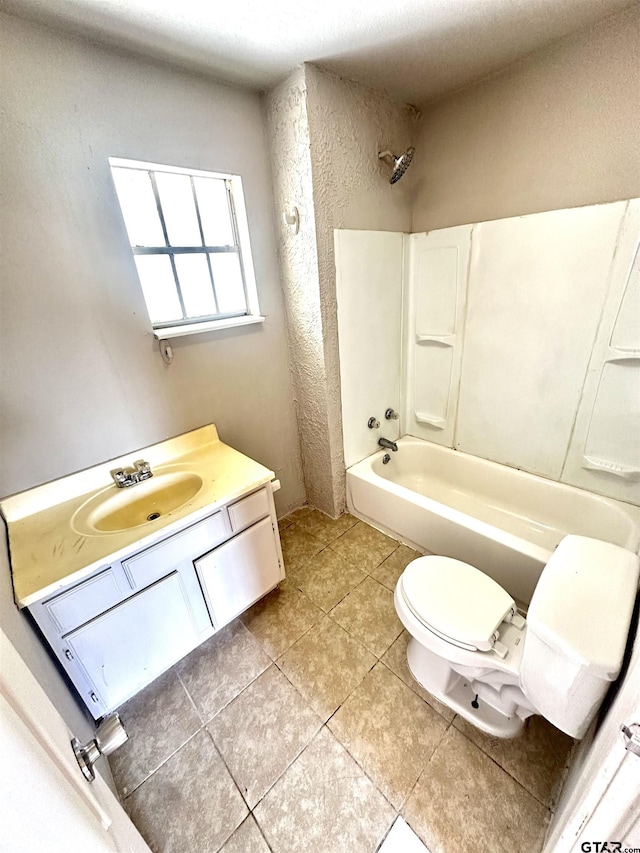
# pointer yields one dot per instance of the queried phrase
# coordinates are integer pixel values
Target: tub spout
(389, 445)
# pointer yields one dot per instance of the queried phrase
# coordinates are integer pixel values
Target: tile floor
(298, 727)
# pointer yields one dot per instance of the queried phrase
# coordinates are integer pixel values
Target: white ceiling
(416, 50)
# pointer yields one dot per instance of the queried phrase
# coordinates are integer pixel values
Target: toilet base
(458, 693)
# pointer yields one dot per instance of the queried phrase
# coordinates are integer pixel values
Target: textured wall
(348, 125)
(288, 134)
(558, 130)
(325, 134)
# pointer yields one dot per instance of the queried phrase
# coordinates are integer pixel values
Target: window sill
(209, 326)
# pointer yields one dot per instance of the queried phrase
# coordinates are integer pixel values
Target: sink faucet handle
(120, 476)
(143, 469)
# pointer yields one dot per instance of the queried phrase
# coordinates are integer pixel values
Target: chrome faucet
(125, 477)
(389, 445)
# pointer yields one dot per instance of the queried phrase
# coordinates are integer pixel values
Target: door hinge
(68, 654)
(631, 735)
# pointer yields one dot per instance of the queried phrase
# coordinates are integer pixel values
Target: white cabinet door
(127, 647)
(239, 572)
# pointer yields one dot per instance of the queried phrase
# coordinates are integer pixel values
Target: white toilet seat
(456, 601)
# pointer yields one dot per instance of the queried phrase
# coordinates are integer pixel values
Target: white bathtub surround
(521, 342)
(500, 520)
(435, 307)
(606, 433)
(538, 288)
(369, 293)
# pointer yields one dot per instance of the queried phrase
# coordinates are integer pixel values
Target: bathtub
(501, 520)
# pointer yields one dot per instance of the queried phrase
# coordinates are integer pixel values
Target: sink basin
(115, 510)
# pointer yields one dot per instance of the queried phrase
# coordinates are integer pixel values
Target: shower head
(399, 164)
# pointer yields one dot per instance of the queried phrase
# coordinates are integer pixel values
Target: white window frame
(239, 213)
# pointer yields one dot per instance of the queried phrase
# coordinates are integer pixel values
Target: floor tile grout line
(294, 759)
(207, 720)
(424, 769)
(497, 763)
(275, 782)
(306, 631)
(353, 689)
(366, 773)
(304, 698)
(163, 762)
(330, 517)
(414, 829)
(238, 694)
(258, 640)
(337, 737)
(360, 582)
(367, 570)
(413, 690)
(191, 699)
(306, 701)
(250, 816)
(333, 606)
(358, 640)
(375, 654)
(262, 832)
(404, 683)
(231, 776)
(386, 835)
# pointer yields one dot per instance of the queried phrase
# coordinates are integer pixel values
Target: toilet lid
(456, 600)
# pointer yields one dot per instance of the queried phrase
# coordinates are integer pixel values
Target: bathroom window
(190, 242)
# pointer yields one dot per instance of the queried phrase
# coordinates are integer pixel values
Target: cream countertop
(47, 553)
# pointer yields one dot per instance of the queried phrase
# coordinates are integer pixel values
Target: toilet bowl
(473, 650)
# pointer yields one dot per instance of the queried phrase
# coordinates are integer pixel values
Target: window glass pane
(159, 288)
(227, 278)
(178, 209)
(195, 284)
(214, 211)
(139, 209)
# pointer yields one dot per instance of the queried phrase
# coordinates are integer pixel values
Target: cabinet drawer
(160, 559)
(77, 605)
(247, 510)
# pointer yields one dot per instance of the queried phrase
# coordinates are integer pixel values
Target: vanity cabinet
(118, 629)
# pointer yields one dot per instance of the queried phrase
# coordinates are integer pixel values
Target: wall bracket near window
(166, 351)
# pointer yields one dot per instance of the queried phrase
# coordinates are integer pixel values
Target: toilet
(473, 650)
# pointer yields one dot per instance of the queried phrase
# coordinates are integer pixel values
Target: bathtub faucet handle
(391, 415)
(372, 423)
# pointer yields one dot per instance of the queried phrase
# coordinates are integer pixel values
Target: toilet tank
(577, 628)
